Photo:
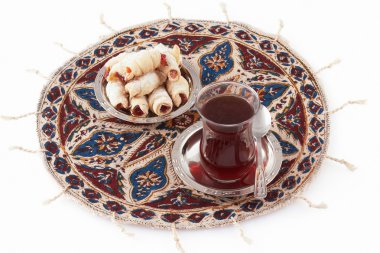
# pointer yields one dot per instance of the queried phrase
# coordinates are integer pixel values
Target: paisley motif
(71, 116)
(151, 144)
(104, 178)
(88, 94)
(254, 60)
(292, 119)
(187, 44)
(105, 143)
(270, 92)
(287, 147)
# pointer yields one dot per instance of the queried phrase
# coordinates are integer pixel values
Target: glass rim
(213, 85)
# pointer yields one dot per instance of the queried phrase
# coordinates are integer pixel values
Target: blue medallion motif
(105, 143)
(148, 179)
(216, 63)
(270, 92)
(88, 94)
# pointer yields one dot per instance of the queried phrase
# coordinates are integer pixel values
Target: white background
(320, 31)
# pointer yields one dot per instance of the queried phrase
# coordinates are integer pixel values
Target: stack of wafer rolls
(147, 80)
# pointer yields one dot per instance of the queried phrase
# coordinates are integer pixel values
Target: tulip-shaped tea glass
(227, 148)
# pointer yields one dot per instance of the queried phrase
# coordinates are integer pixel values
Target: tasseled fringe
(26, 149)
(103, 22)
(38, 73)
(224, 10)
(64, 48)
(121, 227)
(335, 62)
(5, 117)
(169, 10)
(350, 102)
(321, 205)
(176, 239)
(280, 27)
(348, 165)
(242, 232)
(49, 201)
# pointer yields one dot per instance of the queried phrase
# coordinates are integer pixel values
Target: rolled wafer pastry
(141, 63)
(111, 62)
(135, 64)
(118, 71)
(178, 90)
(116, 95)
(170, 60)
(145, 84)
(169, 66)
(148, 60)
(160, 102)
(139, 106)
(175, 52)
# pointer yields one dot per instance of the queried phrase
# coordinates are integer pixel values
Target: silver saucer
(185, 153)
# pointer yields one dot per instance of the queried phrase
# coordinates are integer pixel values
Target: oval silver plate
(186, 150)
(187, 72)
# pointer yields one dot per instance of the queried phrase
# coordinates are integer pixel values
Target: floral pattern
(181, 122)
(216, 63)
(115, 166)
(149, 178)
(91, 195)
(180, 199)
(143, 214)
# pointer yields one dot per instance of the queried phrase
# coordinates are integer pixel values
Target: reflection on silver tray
(187, 71)
(185, 152)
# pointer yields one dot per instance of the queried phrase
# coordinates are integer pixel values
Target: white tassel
(169, 10)
(321, 205)
(103, 22)
(49, 201)
(224, 10)
(242, 232)
(65, 49)
(280, 27)
(176, 239)
(26, 149)
(350, 102)
(6, 117)
(348, 165)
(38, 73)
(335, 62)
(121, 227)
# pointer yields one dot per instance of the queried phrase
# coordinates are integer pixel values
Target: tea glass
(227, 151)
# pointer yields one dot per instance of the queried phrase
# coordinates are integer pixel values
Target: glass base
(224, 181)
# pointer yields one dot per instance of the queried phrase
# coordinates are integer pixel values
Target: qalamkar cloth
(117, 168)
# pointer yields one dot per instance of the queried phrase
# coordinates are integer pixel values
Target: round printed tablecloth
(115, 167)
